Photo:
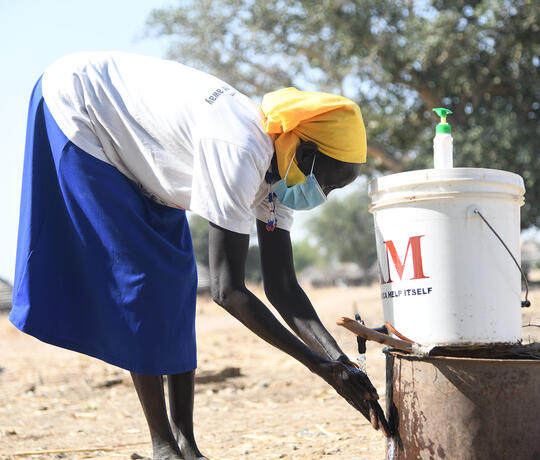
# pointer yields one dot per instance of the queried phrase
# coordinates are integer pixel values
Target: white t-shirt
(188, 139)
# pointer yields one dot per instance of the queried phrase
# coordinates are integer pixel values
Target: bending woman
(118, 147)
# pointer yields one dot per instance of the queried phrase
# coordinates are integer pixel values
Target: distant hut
(6, 291)
(341, 274)
(314, 276)
(530, 260)
(347, 274)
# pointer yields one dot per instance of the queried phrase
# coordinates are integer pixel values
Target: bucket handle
(526, 302)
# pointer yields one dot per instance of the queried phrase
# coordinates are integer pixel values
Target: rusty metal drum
(457, 408)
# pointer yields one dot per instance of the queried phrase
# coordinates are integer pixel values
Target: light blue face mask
(306, 195)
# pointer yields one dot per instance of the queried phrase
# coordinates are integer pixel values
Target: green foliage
(253, 265)
(199, 236)
(397, 60)
(305, 254)
(344, 228)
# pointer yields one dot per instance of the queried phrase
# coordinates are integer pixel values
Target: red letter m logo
(414, 244)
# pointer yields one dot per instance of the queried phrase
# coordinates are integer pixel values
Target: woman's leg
(151, 395)
(181, 398)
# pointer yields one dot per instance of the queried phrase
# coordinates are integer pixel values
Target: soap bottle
(443, 143)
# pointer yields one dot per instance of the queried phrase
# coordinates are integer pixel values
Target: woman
(118, 147)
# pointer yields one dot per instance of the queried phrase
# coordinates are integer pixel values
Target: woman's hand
(356, 388)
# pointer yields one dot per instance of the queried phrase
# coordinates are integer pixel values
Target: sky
(34, 33)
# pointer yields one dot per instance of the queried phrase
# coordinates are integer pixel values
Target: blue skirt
(101, 269)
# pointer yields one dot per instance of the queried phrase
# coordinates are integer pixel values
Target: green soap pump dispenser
(443, 143)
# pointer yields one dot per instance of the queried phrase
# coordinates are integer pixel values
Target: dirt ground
(252, 401)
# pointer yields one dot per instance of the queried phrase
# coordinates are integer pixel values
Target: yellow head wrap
(333, 122)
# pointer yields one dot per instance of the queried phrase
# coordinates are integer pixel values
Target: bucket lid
(423, 176)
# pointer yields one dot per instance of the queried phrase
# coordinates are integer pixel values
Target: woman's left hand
(356, 388)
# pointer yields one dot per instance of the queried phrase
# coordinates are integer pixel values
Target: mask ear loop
(290, 164)
(320, 190)
(292, 159)
(313, 164)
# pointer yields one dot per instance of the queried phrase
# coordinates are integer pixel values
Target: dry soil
(252, 401)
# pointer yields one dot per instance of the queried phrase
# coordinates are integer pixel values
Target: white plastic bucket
(445, 277)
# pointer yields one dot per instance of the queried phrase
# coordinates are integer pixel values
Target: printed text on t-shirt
(218, 92)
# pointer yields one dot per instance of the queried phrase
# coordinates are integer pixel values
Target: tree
(199, 236)
(253, 265)
(396, 59)
(344, 229)
(305, 254)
